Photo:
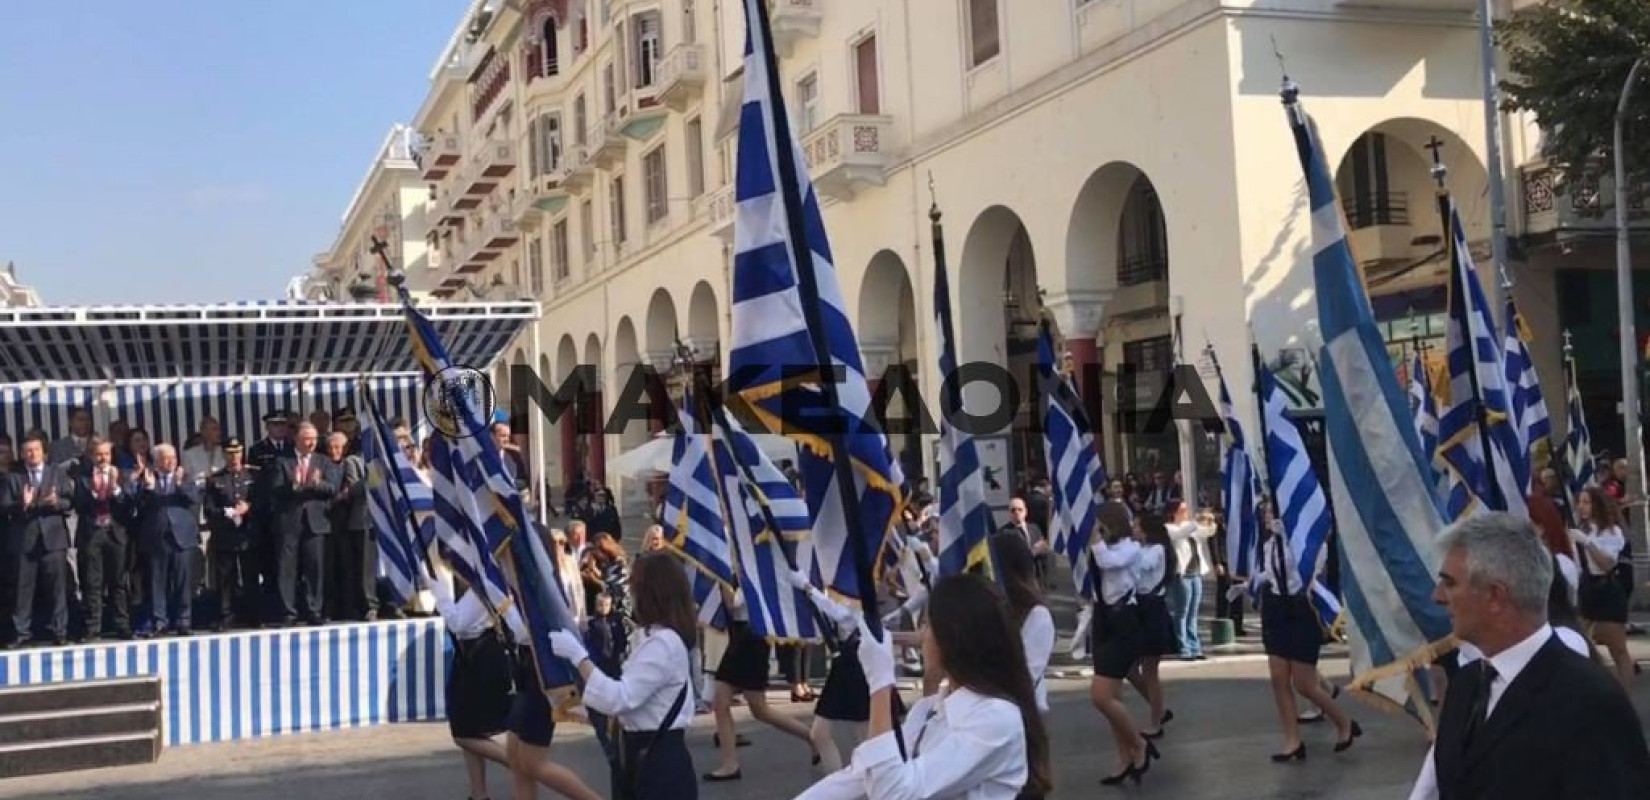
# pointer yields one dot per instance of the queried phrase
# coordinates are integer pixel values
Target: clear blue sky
(176, 151)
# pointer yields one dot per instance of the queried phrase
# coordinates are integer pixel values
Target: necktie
(34, 477)
(303, 468)
(166, 484)
(1481, 697)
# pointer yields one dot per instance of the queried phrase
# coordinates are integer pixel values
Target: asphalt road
(1217, 747)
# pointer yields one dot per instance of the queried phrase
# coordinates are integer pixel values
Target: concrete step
(88, 752)
(40, 698)
(79, 723)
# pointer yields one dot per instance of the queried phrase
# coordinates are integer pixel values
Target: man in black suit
(1020, 525)
(102, 507)
(169, 535)
(355, 552)
(234, 544)
(263, 458)
(1531, 718)
(304, 485)
(36, 503)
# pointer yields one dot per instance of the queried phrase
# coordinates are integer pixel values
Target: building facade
(1121, 168)
(389, 205)
(13, 292)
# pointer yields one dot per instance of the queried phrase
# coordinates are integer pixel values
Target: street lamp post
(1624, 307)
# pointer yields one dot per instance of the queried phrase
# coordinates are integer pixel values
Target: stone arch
(887, 327)
(1092, 237)
(996, 319)
(661, 330)
(567, 357)
(704, 323)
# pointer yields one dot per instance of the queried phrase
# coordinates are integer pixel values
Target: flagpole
(1260, 412)
(808, 286)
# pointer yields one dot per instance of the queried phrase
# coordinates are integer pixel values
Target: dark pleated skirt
(1117, 639)
(847, 696)
(478, 688)
(745, 663)
(1602, 599)
(531, 718)
(1158, 636)
(1289, 628)
(664, 772)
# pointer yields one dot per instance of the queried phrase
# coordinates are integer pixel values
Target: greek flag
(695, 528)
(462, 540)
(1478, 415)
(1303, 508)
(397, 499)
(966, 521)
(1379, 480)
(1531, 428)
(1073, 467)
(1457, 501)
(1578, 441)
(790, 322)
(470, 476)
(1240, 490)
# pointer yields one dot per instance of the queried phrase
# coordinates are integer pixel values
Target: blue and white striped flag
(1379, 481)
(966, 521)
(1478, 396)
(1578, 440)
(1303, 507)
(397, 499)
(787, 309)
(1532, 429)
(1239, 490)
(470, 476)
(695, 528)
(1452, 492)
(1074, 468)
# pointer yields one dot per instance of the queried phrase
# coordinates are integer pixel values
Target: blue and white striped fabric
(472, 478)
(1456, 500)
(785, 298)
(966, 521)
(694, 523)
(1240, 490)
(1477, 390)
(762, 555)
(1302, 507)
(1578, 440)
(1387, 514)
(1074, 468)
(25, 407)
(171, 413)
(397, 499)
(1532, 430)
(267, 683)
(456, 507)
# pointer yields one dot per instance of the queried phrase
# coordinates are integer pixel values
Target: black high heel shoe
(1341, 747)
(1168, 717)
(1298, 754)
(1132, 772)
(1152, 754)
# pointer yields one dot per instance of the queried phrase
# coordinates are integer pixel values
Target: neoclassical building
(1120, 167)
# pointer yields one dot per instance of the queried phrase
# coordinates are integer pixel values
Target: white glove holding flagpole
(876, 657)
(1236, 591)
(565, 644)
(844, 619)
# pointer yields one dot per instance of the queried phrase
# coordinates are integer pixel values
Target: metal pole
(1492, 132)
(539, 429)
(1624, 309)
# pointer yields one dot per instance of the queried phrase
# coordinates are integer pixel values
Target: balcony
(1143, 286)
(682, 76)
(1556, 213)
(581, 168)
(606, 142)
(495, 236)
(544, 196)
(718, 208)
(455, 203)
(1379, 229)
(495, 158)
(440, 155)
(794, 20)
(847, 153)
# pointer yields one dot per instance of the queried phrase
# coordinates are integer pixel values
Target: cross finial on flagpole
(934, 207)
(1439, 171)
(1568, 347)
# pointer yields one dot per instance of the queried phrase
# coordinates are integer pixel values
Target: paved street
(1216, 747)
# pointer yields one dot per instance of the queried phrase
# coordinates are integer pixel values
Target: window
(695, 157)
(587, 230)
(1366, 190)
(558, 252)
(547, 48)
(649, 49)
(615, 211)
(547, 144)
(982, 31)
(535, 266)
(689, 24)
(865, 76)
(655, 185)
(581, 121)
(807, 102)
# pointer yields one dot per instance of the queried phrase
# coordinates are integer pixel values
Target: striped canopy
(146, 344)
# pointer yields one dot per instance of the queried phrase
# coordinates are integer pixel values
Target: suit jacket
(168, 519)
(42, 524)
(301, 509)
(223, 490)
(1563, 730)
(349, 507)
(64, 450)
(120, 508)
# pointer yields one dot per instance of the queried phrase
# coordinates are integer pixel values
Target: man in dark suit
(304, 486)
(1531, 718)
(1019, 525)
(36, 503)
(103, 511)
(234, 542)
(169, 534)
(262, 458)
(355, 552)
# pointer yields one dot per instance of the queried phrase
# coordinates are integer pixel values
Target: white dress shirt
(1149, 569)
(1608, 541)
(1037, 637)
(1267, 578)
(655, 672)
(1508, 663)
(1116, 562)
(1189, 537)
(467, 618)
(964, 746)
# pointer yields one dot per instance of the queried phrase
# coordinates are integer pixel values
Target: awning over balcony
(103, 345)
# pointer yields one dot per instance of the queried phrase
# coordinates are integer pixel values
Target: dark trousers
(355, 573)
(235, 573)
(103, 573)
(170, 584)
(302, 557)
(793, 663)
(1228, 609)
(44, 572)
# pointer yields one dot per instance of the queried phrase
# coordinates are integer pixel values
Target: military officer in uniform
(234, 544)
(261, 459)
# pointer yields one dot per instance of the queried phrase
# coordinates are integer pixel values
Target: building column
(1079, 315)
(663, 362)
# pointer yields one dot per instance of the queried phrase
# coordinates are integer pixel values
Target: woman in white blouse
(1026, 608)
(1116, 643)
(980, 738)
(1599, 543)
(653, 702)
(479, 680)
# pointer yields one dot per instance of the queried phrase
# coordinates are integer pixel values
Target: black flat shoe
(1298, 754)
(732, 776)
(1341, 747)
(1168, 717)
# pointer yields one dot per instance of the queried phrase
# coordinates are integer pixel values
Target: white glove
(876, 657)
(1235, 591)
(841, 616)
(917, 601)
(565, 644)
(799, 580)
(1577, 537)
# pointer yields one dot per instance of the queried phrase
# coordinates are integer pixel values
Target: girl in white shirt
(1599, 543)
(1026, 608)
(981, 738)
(479, 680)
(1117, 640)
(1158, 561)
(653, 702)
